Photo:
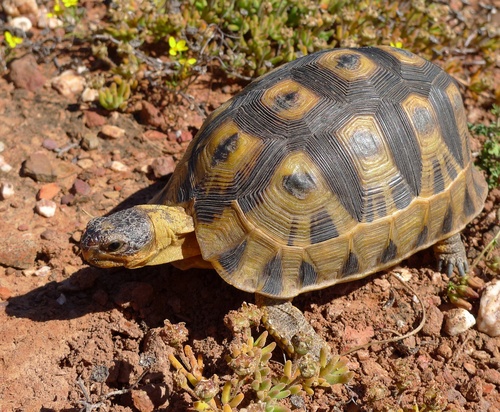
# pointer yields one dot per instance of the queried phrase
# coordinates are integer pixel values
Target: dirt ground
(62, 321)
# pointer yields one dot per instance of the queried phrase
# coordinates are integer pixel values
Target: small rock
(46, 208)
(93, 119)
(14, 8)
(18, 250)
(470, 368)
(68, 199)
(186, 136)
(48, 191)
(488, 317)
(25, 73)
(162, 166)
(150, 115)
(49, 234)
(69, 84)
(492, 376)
(50, 144)
(39, 167)
(117, 166)
(22, 23)
(434, 322)
(445, 351)
(61, 299)
(90, 141)
(5, 293)
(42, 272)
(154, 135)
(4, 166)
(112, 132)
(90, 95)
(458, 321)
(6, 190)
(81, 188)
(23, 227)
(69, 270)
(85, 163)
(142, 401)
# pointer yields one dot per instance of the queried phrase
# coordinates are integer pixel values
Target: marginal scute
(273, 277)
(307, 274)
(390, 252)
(351, 265)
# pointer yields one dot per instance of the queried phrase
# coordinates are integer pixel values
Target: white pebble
(21, 23)
(6, 190)
(2, 146)
(117, 166)
(43, 271)
(458, 321)
(46, 208)
(69, 84)
(90, 95)
(4, 166)
(488, 317)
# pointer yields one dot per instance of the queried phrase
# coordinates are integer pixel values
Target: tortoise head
(139, 236)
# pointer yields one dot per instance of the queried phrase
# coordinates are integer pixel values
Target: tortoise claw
(450, 253)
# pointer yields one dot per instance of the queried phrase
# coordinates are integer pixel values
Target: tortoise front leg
(450, 253)
(289, 327)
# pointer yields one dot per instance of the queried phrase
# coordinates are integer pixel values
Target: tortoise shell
(329, 168)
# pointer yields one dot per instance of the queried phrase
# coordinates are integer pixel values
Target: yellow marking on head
(289, 99)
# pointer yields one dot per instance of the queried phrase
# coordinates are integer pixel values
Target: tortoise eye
(113, 246)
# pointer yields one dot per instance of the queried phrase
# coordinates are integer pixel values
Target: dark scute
(469, 208)
(230, 260)
(322, 227)
(285, 101)
(438, 185)
(401, 195)
(446, 116)
(308, 275)
(403, 144)
(448, 221)
(299, 185)
(348, 61)
(422, 237)
(273, 277)
(224, 149)
(451, 170)
(389, 253)
(351, 265)
(423, 120)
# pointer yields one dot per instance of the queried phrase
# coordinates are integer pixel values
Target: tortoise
(329, 168)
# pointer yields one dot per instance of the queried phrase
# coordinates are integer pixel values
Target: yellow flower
(187, 62)
(12, 40)
(397, 44)
(70, 3)
(176, 46)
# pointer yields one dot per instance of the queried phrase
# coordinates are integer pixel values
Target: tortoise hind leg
(450, 253)
(289, 327)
